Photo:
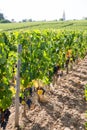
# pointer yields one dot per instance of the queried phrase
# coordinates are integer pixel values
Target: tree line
(3, 20)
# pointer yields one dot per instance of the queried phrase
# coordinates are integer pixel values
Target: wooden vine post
(17, 86)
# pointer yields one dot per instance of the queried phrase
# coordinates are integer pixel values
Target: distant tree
(85, 18)
(55, 20)
(30, 20)
(24, 20)
(1, 16)
(44, 20)
(13, 20)
(61, 19)
(5, 21)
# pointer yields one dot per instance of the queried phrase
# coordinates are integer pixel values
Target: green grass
(72, 25)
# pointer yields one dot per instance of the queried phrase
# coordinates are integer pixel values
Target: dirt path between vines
(66, 109)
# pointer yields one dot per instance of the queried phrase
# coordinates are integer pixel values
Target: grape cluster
(57, 71)
(56, 68)
(24, 98)
(41, 89)
(4, 117)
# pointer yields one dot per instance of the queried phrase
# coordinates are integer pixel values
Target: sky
(43, 9)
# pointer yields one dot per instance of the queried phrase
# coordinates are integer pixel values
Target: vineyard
(41, 25)
(41, 51)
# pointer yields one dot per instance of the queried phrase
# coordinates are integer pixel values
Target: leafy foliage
(41, 51)
(5, 93)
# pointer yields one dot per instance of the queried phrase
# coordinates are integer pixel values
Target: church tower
(64, 16)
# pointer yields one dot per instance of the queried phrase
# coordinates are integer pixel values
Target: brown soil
(65, 109)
